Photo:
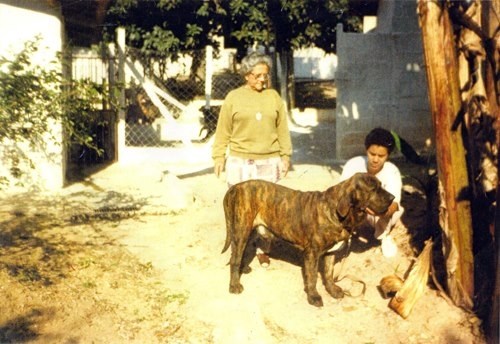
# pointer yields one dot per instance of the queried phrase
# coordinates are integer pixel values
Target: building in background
(381, 80)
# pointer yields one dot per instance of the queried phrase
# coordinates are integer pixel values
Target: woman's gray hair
(253, 59)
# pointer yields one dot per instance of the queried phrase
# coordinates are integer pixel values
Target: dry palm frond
(414, 285)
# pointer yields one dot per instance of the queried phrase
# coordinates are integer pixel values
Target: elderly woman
(253, 124)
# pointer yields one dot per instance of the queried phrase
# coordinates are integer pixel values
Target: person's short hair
(380, 137)
(253, 59)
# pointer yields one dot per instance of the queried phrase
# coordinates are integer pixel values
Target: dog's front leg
(311, 277)
(327, 267)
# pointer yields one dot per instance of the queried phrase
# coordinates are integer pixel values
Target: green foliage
(28, 97)
(250, 21)
(163, 28)
(33, 98)
(291, 24)
(81, 101)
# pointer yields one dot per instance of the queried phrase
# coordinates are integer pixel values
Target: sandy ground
(179, 232)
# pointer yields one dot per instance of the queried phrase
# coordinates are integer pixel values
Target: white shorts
(239, 170)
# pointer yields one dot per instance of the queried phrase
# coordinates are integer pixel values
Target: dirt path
(273, 307)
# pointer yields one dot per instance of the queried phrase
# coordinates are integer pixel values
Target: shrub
(32, 99)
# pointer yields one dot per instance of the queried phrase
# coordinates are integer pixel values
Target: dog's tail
(229, 212)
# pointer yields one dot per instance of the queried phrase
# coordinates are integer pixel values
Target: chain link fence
(146, 126)
(195, 117)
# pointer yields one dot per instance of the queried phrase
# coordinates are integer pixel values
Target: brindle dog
(312, 221)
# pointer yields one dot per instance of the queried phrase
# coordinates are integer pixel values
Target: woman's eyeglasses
(260, 76)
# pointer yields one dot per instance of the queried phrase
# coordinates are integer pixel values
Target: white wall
(314, 63)
(21, 21)
(381, 81)
(19, 24)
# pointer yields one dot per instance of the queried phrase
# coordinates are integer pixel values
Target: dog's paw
(315, 300)
(335, 291)
(246, 270)
(236, 289)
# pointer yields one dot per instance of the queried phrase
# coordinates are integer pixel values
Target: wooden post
(209, 71)
(444, 96)
(120, 135)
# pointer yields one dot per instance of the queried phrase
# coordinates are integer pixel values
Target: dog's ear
(344, 205)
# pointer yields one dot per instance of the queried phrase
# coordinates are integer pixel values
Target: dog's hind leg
(326, 270)
(237, 249)
(242, 231)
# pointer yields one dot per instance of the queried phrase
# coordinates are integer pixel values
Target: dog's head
(363, 192)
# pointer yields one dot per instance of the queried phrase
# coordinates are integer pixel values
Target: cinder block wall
(381, 81)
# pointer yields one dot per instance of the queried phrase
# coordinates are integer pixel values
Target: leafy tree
(166, 26)
(289, 25)
(32, 99)
(162, 29)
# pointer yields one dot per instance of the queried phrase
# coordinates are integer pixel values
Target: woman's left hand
(285, 165)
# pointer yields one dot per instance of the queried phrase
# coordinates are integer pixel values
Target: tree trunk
(290, 80)
(287, 82)
(444, 96)
(492, 85)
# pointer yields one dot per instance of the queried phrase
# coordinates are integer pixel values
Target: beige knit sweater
(253, 125)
